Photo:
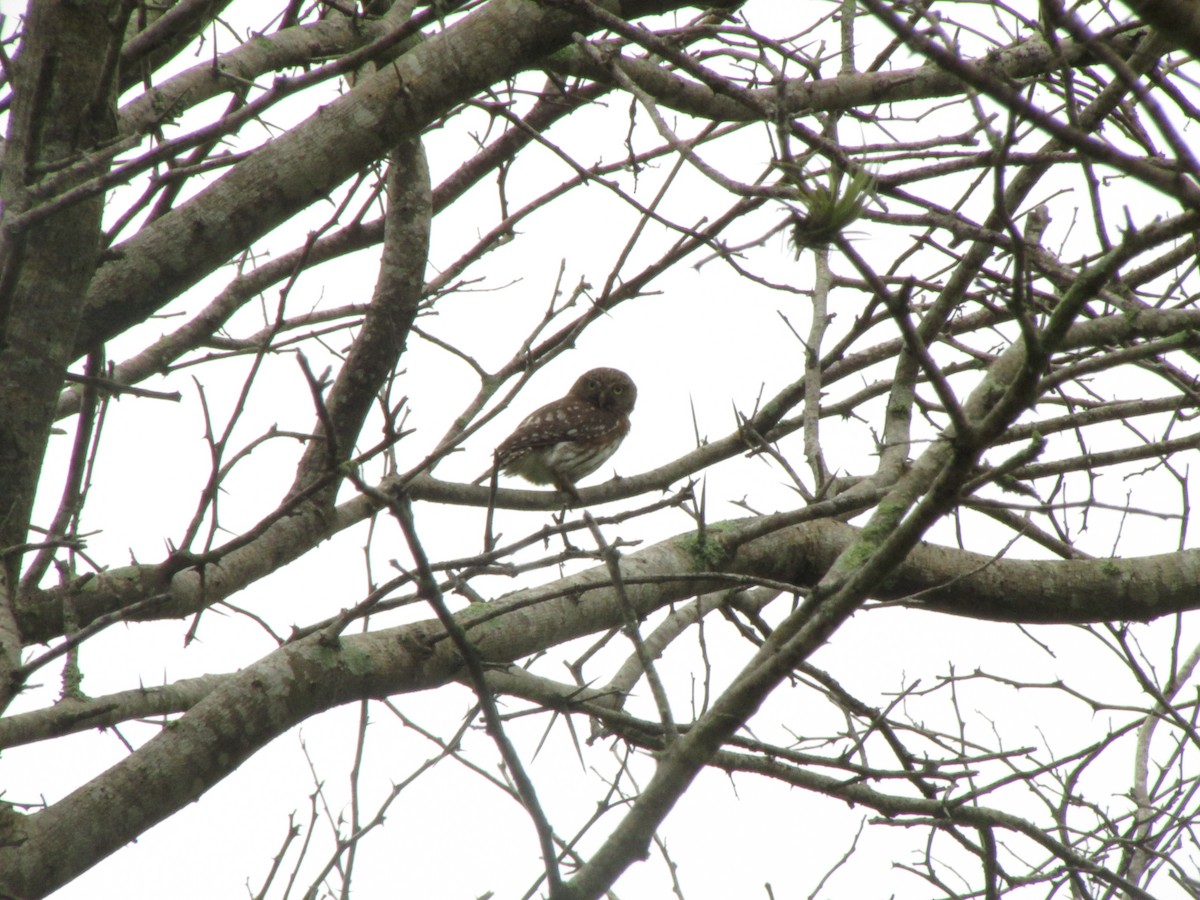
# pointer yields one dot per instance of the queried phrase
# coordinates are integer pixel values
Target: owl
(571, 438)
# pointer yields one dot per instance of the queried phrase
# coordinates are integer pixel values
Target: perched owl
(571, 438)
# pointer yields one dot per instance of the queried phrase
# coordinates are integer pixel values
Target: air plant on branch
(825, 209)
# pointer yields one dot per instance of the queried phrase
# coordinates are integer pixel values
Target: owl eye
(593, 385)
(617, 389)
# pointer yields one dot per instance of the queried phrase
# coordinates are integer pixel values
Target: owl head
(609, 389)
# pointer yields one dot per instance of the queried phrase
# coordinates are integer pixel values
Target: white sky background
(709, 343)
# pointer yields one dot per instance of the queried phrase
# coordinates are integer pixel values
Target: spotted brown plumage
(570, 438)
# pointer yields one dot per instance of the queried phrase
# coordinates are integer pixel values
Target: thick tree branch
(312, 159)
